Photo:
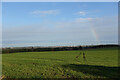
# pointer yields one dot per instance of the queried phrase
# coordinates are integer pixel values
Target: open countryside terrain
(100, 63)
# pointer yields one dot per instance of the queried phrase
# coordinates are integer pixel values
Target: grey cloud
(44, 13)
(78, 29)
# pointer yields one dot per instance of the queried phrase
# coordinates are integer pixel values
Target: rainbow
(95, 34)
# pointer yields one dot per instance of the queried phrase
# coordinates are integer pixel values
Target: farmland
(100, 63)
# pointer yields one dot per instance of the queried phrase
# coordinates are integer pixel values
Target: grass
(101, 63)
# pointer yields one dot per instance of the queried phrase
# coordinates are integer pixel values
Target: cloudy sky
(59, 24)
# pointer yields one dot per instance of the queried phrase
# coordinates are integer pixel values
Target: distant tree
(80, 47)
(32, 49)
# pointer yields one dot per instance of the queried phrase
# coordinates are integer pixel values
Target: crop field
(99, 63)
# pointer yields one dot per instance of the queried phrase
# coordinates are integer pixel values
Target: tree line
(64, 48)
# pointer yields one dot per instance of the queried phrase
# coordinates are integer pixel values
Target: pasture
(100, 63)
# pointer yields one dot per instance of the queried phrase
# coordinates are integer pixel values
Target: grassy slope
(61, 64)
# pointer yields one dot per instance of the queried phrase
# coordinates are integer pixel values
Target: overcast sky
(51, 24)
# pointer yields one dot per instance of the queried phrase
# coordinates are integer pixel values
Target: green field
(100, 63)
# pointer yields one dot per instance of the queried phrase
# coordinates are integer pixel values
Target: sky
(59, 23)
